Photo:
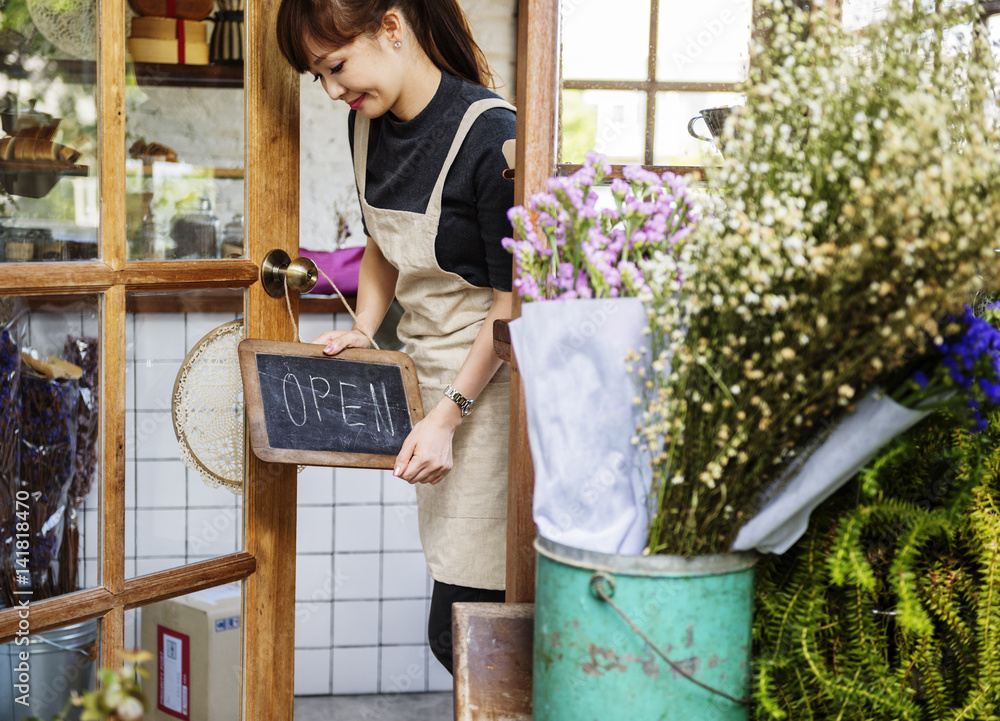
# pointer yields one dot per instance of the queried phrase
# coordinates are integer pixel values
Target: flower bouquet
(854, 217)
(584, 257)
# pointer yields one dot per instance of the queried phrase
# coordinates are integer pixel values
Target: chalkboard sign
(353, 409)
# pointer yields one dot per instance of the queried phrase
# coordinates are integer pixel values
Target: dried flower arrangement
(855, 215)
(47, 463)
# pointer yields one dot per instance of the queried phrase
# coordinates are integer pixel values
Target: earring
(397, 45)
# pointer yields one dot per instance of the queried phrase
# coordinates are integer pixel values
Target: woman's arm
(376, 289)
(426, 454)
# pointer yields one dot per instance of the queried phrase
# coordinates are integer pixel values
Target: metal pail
(602, 621)
(58, 662)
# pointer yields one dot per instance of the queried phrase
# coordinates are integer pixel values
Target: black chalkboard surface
(353, 409)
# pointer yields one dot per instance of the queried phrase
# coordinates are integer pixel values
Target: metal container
(58, 662)
(592, 610)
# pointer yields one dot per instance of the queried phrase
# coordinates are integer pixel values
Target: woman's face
(364, 73)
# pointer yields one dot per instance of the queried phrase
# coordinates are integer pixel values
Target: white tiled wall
(362, 589)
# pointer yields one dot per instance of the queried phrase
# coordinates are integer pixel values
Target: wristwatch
(461, 401)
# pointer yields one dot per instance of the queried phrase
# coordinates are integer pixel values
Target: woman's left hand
(426, 453)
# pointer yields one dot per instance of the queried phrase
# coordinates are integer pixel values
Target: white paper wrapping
(591, 482)
(848, 447)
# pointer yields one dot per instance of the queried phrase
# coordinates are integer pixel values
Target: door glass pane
(60, 662)
(674, 144)
(599, 43)
(196, 665)
(49, 445)
(176, 510)
(48, 148)
(184, 136)
(612, 122)
(708, 41)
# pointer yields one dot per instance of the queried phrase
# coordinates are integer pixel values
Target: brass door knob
(277, 268)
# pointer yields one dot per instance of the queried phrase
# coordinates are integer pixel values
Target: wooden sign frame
(253, 400)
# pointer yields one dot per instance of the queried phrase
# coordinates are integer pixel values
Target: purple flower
(920, 378)
(577, 249)
(638, 174)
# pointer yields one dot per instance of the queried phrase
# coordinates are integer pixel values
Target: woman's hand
(336, 340)
(426, 453)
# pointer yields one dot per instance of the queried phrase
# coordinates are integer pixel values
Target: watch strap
(465, 404)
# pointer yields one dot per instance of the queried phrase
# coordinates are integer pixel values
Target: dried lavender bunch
(47, 465)
(10, 355)
(81, 351)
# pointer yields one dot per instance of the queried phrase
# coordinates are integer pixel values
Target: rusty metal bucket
(641, 637)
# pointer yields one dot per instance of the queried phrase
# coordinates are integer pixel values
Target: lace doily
(208, 408)
(70, 25)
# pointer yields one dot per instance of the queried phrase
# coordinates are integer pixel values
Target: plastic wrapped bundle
(47, 464)
(11, 314)
(83, 353)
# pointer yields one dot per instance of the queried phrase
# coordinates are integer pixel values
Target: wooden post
(111, 129)
(537, 103)
(272, 181)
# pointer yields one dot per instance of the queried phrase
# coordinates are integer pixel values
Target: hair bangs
(304, 24)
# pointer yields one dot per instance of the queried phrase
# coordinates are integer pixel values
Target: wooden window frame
(649, 86)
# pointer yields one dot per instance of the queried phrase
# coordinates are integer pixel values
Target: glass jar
(232, 238)
(195, 229)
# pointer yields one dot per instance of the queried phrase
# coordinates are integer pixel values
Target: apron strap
(361, 128)
(474, 111)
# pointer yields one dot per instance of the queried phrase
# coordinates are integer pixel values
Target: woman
(426, 136)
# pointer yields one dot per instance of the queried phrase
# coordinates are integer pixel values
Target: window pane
(173, 516)
(674, 145)
(48, 152)
(184, 138)
(194, 640)
(601, 41)
(49, 445)
(706, 41)
(61, 662)
(608, 121)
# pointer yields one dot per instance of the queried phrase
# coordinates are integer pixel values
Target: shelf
(158, 74)
(35, 179)
(228, 173)
(41, 167)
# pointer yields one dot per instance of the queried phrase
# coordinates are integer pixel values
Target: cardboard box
(195, 642)
(169, 29)
(151, 50)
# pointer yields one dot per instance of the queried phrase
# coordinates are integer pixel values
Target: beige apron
(462, 519)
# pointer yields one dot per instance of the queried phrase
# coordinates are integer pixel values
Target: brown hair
(440, 27)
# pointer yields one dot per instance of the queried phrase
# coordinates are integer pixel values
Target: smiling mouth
(356, 103)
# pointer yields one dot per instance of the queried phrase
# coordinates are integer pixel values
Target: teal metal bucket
(602, 622)
(58, 663)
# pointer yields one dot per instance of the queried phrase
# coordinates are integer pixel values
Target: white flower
(129, 709)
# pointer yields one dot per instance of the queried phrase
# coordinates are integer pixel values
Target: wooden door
(118, 277)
